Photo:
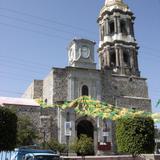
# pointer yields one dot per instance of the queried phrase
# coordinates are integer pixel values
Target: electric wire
(47, 20)
(36, 31)
(37, 24)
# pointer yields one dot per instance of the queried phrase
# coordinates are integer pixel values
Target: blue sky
(34, 35)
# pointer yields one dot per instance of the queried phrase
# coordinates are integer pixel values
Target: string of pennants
(86, 106)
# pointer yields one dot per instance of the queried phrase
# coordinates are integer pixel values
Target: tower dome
(109, 2)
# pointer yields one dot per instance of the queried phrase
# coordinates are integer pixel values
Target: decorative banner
(85, 105)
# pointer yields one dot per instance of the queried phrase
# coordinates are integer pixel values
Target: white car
(41, 156)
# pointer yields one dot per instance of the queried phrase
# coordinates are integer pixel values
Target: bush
(8, 129)
(53, 144)
(26, 133)
(135, 135)
(83, 146)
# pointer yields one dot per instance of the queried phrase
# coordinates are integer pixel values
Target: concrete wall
(77, 77)
(48, 88)
(60, 85)
(117, 157)
(35, 90)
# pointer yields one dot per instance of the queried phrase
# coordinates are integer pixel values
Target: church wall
(35, 90)
(38, 89)
(44, 120)
(79, 77)
(129, 86)
(29, 92)
(60, 84)
(48, 88)
(136, 103)
(33, 112)
(49, 123)
(124, 91)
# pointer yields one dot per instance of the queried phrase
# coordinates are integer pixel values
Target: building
(117, 81)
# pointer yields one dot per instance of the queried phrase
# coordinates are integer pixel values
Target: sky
(34, 35)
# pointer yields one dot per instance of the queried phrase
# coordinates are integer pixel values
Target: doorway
(86, 127)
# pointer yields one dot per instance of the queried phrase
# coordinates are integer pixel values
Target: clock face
(85, 52)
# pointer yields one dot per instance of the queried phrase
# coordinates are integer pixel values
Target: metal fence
(6, 155)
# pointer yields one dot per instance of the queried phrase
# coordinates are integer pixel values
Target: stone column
(132, 58)
(108, 56)
(121, 59)
(132, 28)
(117, 56)
(105, 57)
(128, 26)
(118, 25)
(115, 25)
(107, 26)
(100, 32)
(136, 60)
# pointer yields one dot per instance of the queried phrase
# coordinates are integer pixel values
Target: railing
(6, 155)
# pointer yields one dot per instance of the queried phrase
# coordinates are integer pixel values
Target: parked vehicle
(20, 153)
(41, 156)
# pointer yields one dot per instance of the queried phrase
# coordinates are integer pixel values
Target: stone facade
(117, 82)
(35, 90)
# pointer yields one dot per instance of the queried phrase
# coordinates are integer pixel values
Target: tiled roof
(18, 101)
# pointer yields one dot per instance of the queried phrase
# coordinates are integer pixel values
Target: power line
(26, 64)
(12, 77)
(20, 67)
(36, 24)
(35, 31)
(47, 20)
(7, 91)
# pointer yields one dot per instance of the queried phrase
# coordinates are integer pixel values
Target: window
(126, 58)
(85, 91)
(123, 27)
(112, 58)
(111, 27)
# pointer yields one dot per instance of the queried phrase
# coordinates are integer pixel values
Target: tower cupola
(118, 48)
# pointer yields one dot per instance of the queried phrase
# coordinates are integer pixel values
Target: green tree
(53, 144)
(8, 129)
(83, 146)
(26, 134)
(135, 135)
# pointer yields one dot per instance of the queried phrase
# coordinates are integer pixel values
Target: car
(20, 153)
(41, 156)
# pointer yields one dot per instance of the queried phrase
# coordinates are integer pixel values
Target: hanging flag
(158, 103)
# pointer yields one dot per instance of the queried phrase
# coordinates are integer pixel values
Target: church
(117, 81)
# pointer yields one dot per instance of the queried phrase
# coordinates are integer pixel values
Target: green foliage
(135, 135)
(26, 134)
(8, 129)
(83, 146)
(53, 144)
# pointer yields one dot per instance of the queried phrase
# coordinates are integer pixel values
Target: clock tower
(81, 54)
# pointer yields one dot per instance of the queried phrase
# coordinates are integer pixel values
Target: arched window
(111, 27)
(126, 57)
(123, 27)
(85, 90)
(112, 58)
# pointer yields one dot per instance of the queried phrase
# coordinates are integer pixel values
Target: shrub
(8, 129)
(135, 135)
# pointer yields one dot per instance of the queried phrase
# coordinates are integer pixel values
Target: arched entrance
(86, 127)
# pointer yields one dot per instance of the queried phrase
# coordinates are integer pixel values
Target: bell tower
(118, 48)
